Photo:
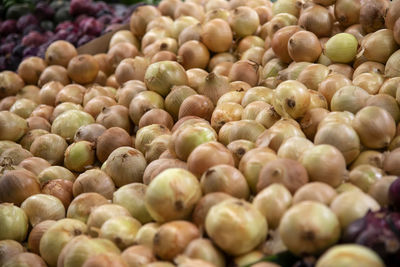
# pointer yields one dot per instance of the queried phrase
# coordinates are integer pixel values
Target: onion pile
(211, 133)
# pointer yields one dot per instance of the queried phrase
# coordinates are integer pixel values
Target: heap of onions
(210, 133)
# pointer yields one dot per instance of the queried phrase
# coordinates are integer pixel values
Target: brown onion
(217, 28)
(50, 147)
(316, 19)
(30, 69)
(193, 54)
(131, 69)
(315, 191)
(34, 164)
(82, 205)
(310, 121)
(18, 185)
(391, 162)
(349, 98)
(115, 116)
(36, 235)
(7, 102)
(141, 17)
(372, 15)
(62, 189)
(158, 166)
(94, 180)
(279, 42)
(41, 207)
(111, 139)
(347, 12)
(244, 70)
(38, 123)
(304, 46)
(214, 86)
(332, 83)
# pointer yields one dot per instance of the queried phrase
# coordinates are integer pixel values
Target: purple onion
(85, 39)
(31, 28)
(25, 21)
(44, 11)
(8, 26)
(34, 38)
(7, 48)
(394, 194)
(30, 51)
(66, 25)
(105, 19)
(379, 231)
(3, 63)
(91, 26)
(78, 7)
(72, 38)
(12, 37)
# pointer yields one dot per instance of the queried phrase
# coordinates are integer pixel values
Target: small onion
(14, 127)
(23, 107)
(312, 75)
(225, 112)
(214, 86)
(79, 156)
(14, 222)
(43, 207)
(315, 191)
(304, 46)
(309, 227)
(280, 42)
(38, 123)
(142, 102)
(101, 214)
(67, 123)
(294, 147)
(131, 69)
(371, 157)
(196, 105)
(316, 19)
(158, 166)
(89, 132)
(217, 28)
(347, 12)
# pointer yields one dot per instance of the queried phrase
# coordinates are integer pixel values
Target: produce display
(29, 27)
(212, 133)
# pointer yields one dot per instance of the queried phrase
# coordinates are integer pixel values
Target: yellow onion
(331, 84)
(249, 226)
(172, 238)
(278, 133)
(217, 13)
(267, 116)
(57, 236)
(352, 205)
(342, 136)
(124, 36)
(370, 82)
(254, 54)
(38, 123)
(291, 99)
(337, 117)
(157, 166)
(341, 48)
(111, 139)
(83, 248)
(15, 155)
(244, 21)
(380, 190)
(14, 126)
(289, 6)
(14, 222)
(379, 46)
(191, 32)
(325, 163)
(146, 233)
(193, 54)
(349, 98)
(272, 202)
(67, 123)
(315, 191)
(66, 106)
(220, 58)
(244, 129)
(104, 260)
(249, 42)
(371, 157)
(277, 171)
(71, 93)
(347, 187)
(119, 162)
(251, 111)
(128, 91)
(294, 147)
(141, 17)
(31, 68)
(392, 68)
(258, 93)
(121, 230)
(239, 86)
(312, 75)
(239, 148)
(11, 83)
(175, 98)
(280, 42)
(82, 205)
(316, 19)
(272, 68)
(217, 28)
(347, 12)
(23, 107)
(138, 255)
(161, 199)
(391, 162)
(94, 180)
(25, 259)
(390, 86)
(249, 257)
(343, 69)
(375, 127)
(61, 189)
(369, 66)
(9, 248)
(244, 70)
(351, 254)
(43, 207)
(311, 120)
(252, 162)
(131, 197)
(217, 179)
(79, 156)
(225, 112)
(204, 249)
(304, 46)
(320, 231)
(54, 73)
(7, 102)
(17, 185)
(34, 164)
(196, 105)
(53, 173)
(364, 176)
(386, 102)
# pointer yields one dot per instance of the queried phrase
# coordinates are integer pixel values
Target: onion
(10, 83)
(217, 28)
(161, 199)
(291, 99)
(254, 54)
(50, 147)
(182, 23)
(304, 46)
(289, 6)
(161, 76)
(14, 127)
(341, 48)
(214, 86)
(15, 155)
(316, 19)
(249, 42)
(71, 93)
(131, 69)
(220, 58)
(104, 260)
(312, 75)
(391, 162)
(57, 236)
(372, 15)
(244, 129)
(225, 112)
(141, 17)
(61, 189)
(146, 233)
(192, 32)
(123, 36)
(392, 68)
(43, 207)
(386, 102)
(249, 225)
(370, 82)
(315, 161)
(82, 248)
(310, 121)
(279, 42)
(272, 202)
(7, 102)
(350, 254)
(315, 191)
(79, 156)
(364, 176)
(278, 22)
(350, 206)
(53, 173)
(294, 147)
(67, 123)
(131, 197)
(216, 179)
(38, 123)
(380, 190)
(251, 111)
(219, 13)
(54, 73)
(349, 98)
(320, 231)
(258, 93)
(347, 12)
(196, 105)
(244, 21)
(30, 69)
(25, 259)
(146, 135)
(369, 66)
(238, 148)
(82, 205)
(172, 238)
(273, 68)
(379, 46)
(9, 248)
(158, 166)
(332, 84)
(143, 102)
(89, 132)
(111, 139)
(139, 254)
(18, 185)
(267, 116)
(121, 230)
(94, 180)
(115, 116)
(204, 249)
(380, 124)
(371, 157)
(244, 70)
(14, 221)
(347, 141)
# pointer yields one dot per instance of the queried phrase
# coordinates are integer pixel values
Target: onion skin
(347, 12)
(36, 235)
(94, 180)
(279, 42)
(244, 70)
(111, 139)
(304, 46)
